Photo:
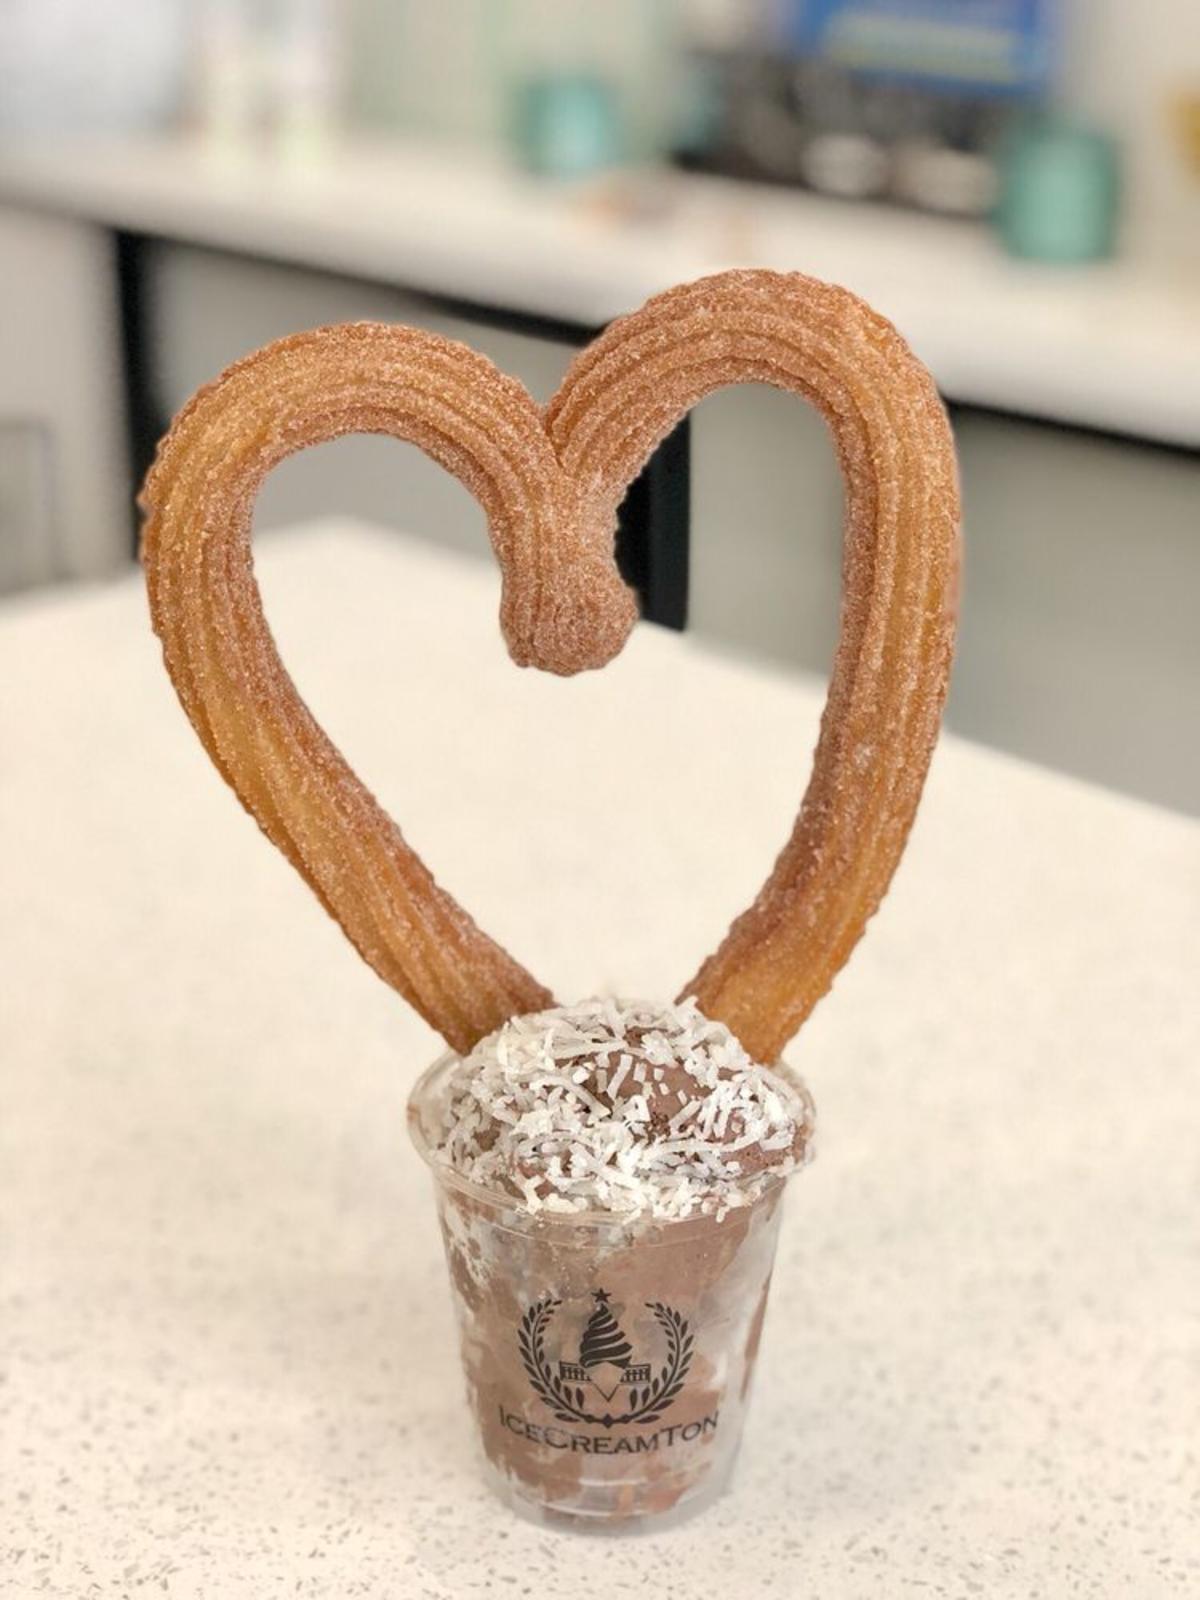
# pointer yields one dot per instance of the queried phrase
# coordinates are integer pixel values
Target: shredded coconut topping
(623, 1106)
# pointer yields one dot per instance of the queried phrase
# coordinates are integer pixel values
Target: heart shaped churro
(550, 485)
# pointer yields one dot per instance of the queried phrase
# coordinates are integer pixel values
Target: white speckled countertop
(228, 1365)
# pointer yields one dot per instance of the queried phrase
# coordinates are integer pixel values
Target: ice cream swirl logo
(605, 1366)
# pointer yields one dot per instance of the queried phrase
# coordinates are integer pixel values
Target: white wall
(446, 68)
(438, 67)
(1124, 60)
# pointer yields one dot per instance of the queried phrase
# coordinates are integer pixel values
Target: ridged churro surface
(550, 486)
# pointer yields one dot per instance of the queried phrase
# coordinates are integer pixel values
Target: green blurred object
(1059, 193)
(566, 124)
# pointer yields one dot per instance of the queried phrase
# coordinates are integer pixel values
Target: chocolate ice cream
(609, 1178)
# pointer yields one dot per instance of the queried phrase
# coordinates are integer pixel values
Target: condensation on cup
(608, 1364)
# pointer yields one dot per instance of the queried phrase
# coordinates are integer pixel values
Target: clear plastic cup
(608, 1362)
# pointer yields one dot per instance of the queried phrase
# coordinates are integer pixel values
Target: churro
(550, 485)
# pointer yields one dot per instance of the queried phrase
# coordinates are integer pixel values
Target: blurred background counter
(1115, 346)
(1015, 195)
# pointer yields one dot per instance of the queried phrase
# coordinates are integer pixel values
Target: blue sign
(989, 46)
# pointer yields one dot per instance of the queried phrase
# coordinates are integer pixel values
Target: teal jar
(1059, 193)
(566, 124)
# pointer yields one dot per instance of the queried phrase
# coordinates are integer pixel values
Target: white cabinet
(1079, 642)
(65, 510)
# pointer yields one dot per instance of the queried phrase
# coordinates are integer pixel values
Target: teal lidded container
(1059, 192)
(567, 124)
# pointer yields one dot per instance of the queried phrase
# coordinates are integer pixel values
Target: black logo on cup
(605, 1368)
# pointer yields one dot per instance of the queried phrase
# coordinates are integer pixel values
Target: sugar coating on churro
(622, 1106)
(899, 593)
(551, 484)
